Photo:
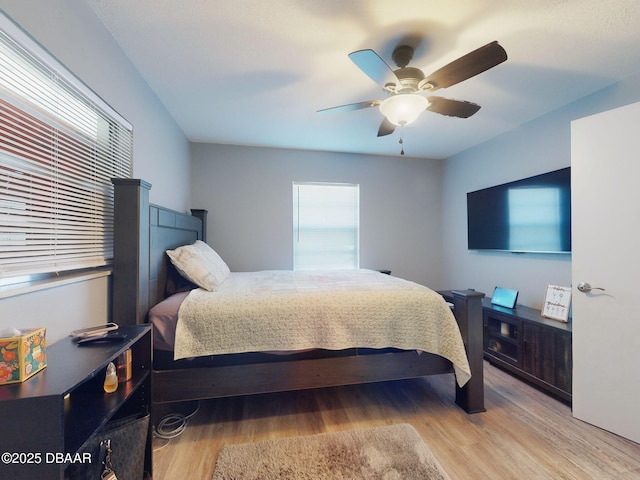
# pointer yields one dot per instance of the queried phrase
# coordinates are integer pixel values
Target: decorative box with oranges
(22, 355)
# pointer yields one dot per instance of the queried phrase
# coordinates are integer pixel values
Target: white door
(605, 183)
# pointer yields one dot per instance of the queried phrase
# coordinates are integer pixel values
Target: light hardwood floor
(524, 434)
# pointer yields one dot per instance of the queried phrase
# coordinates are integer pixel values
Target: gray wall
(74, 35)
(539, 146)
(248, 192)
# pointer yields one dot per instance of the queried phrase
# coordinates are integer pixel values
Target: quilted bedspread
(281, 310)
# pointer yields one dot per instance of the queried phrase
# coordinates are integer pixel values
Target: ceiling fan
(408, 88)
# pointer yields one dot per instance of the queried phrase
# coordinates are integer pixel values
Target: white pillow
(200, 264)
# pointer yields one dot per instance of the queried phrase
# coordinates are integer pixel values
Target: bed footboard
(467, 306)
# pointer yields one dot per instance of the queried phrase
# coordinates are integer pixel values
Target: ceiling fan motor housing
(410, 79)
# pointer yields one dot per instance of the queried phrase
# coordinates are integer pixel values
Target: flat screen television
(528, 215)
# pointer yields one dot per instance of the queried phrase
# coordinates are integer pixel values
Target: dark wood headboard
(142, 234)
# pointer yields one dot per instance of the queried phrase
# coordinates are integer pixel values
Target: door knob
(584, 287)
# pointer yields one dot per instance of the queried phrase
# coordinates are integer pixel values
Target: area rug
(394, 452)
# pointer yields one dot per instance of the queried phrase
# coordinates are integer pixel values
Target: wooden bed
(143, 232)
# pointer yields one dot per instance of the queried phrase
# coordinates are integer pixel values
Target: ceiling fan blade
(351, 106)
(374, 67)
(452, 108)
(468, 66)
(386, 128)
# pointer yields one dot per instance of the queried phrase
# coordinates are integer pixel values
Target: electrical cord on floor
(173, 425)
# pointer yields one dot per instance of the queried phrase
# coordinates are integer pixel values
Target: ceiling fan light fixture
(404, 108)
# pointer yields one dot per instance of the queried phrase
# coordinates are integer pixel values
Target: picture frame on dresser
(557, 303)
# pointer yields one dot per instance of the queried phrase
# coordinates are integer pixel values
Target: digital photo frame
(504, 297)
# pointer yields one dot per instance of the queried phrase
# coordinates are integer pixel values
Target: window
(325, 226)
(60, 145)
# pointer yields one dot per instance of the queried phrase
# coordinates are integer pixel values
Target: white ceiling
(254, 72)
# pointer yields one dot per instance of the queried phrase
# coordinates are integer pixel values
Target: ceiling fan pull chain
(400, 141)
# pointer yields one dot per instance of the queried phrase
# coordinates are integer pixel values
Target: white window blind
(60, 145)
(325, 226)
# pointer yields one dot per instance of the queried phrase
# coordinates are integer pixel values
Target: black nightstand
(57, 410)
